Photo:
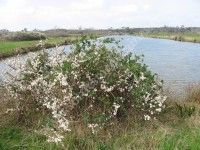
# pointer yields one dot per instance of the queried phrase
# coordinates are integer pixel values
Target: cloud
(45, 14)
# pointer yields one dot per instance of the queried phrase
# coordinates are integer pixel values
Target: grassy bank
(11, 48)
(176, 128)
(185, 37)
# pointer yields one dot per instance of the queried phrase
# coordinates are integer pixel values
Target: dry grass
(7, 117)
(193, 93)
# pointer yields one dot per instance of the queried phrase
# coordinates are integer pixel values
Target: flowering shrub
(94, 83)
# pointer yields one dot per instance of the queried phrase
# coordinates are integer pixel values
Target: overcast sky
(46, 14)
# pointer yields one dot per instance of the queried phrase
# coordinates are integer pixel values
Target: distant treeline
(124, 30)
(39, 34)
(21, 35)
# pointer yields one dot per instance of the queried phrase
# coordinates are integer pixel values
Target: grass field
(7, 47)
(186, 37)
(10, 48)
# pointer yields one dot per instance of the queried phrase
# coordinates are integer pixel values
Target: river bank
(182, 37)
(12, 48)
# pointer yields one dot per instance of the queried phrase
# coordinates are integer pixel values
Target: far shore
(175, 37)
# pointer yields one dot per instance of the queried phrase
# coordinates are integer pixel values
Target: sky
(72, 14)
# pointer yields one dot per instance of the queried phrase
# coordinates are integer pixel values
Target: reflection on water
(177, 63)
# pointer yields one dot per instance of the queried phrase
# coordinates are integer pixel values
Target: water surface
(177, 63)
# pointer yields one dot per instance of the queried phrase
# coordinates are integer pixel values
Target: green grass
(10, 48)
(7, 47)
(182, 139)
(18, 139)
(162, 138)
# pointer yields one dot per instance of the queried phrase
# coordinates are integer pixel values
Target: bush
(25, 36)
(95, 83)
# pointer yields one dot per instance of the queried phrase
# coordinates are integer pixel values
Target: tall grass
(193, 93)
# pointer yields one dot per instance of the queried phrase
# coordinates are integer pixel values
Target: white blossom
(147, 117)
(116, 107)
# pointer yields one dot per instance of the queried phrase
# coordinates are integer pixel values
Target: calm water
(177, 63)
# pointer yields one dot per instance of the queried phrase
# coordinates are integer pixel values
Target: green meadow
(10, 48)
